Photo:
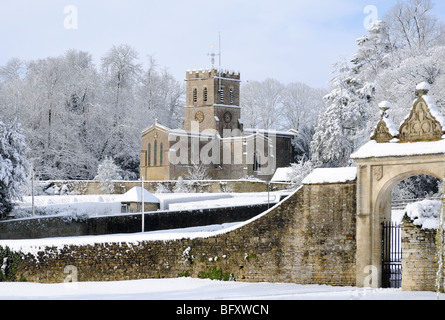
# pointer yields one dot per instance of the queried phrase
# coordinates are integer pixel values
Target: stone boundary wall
(419, 261)
(309, 238)
(66, 226)
(84, 187)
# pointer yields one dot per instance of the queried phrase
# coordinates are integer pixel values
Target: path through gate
(391, 255)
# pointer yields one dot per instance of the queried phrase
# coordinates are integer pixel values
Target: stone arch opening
(384, 199)
(388, 222)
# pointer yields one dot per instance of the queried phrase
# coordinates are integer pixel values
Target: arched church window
(155, 153)
(231, 95)
(149, 155)
(256, 162)
(161, 154)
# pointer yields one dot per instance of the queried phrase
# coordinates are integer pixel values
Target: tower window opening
(195, 95)
(231, 95)
(221, 95)
(205, 94)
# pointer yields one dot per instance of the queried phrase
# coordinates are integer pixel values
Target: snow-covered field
(199, 289)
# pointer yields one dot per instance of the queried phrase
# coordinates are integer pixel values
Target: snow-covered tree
(343, 126)
(107, 172)
(182, 186)
(299, 171)
(197, 173)
(302, 142)
(13, 165)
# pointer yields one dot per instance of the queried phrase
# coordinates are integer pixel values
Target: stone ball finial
(423, 88)
(384, 107)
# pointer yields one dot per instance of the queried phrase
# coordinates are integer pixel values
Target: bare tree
(413, 26)
(262, 104)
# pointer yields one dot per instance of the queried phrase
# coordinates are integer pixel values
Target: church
(213, 136)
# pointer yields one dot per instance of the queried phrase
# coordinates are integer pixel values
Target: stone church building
(213, 136)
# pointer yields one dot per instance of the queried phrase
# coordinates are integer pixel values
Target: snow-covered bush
(424, 214)
(182, 186)
(197, 173)
(106, 173)
(9, 262)
(161, 188)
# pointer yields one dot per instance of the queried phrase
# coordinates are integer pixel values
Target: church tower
(213, 100)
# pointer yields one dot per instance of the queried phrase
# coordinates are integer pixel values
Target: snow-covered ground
(199, 289)
(97, 205)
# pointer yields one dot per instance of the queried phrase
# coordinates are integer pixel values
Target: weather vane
(213, 54)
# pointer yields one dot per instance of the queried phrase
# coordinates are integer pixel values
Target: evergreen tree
(345, 124)
(13, 165)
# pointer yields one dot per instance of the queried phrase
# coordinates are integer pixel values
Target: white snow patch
(393, 131)
(423, 86)
(199, 289)
(282, 175)
(434, 110)
(425, 213)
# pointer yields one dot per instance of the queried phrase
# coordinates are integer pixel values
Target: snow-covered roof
(134, 195)
(331, 175)
(282, 175)
(267, 131)
(156, 126)
(378, 150)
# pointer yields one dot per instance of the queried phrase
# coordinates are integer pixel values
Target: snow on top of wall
(424, 214)
(378, 150)
(331, 175)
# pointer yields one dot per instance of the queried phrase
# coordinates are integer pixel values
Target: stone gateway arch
(393, 155)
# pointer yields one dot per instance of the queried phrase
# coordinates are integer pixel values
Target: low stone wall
(213, 186)
(419, 261)
(309, 238)
(65, 226)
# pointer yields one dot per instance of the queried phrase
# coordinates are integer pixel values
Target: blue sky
(289, 40)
